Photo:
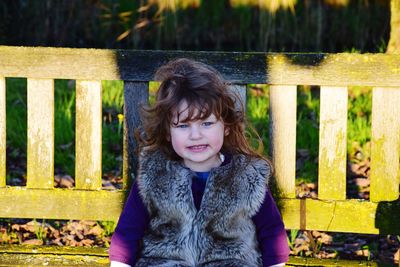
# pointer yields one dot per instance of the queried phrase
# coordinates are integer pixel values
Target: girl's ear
(168, 138)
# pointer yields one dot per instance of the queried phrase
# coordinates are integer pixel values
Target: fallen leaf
(326, 239)
(97, 230)
(316, 233)
(362, 182)
(37, 242)
(89, 223)
(66, 182)
(86, 242)
(362, 252)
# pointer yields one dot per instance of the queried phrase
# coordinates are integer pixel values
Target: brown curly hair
(204, 90)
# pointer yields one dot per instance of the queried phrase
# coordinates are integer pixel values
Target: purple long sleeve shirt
(134, 220)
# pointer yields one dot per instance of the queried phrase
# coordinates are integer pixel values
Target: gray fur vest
(221, 232)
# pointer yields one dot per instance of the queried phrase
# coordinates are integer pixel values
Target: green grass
(64, 123)
(113, 100)
(307, 134)
(258, 116)
(16, 127)
(359, 122)
(16, 120)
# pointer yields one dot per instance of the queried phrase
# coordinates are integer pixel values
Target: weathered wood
(240, 92)
(38, 260)
(341, 216)
(385, 144)
(308, 261)
(283, 105)
(2, 132)
(324, 69)
(88, 135)
(52, 256)
(55, 250)
(135, 95)
(332, 143)
(61, 203)
(40, 151)
(241, 67)
(351, 216)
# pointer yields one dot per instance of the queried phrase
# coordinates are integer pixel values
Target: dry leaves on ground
(61, 233)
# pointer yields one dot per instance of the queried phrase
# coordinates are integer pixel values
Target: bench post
(135, 95)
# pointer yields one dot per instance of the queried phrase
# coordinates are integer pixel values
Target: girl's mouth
(197, 148)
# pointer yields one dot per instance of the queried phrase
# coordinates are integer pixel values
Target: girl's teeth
(197, 147)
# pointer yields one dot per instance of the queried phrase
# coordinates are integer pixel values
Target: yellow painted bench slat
(341, 216)
(40, 167)
(308, 261)
(2, 132)
(88, 135)
(12, 256)
(311, 214)
(283, 105)
(341, 69)
(337, 216)
(332, 143)
(385, 144)
(61, 203)
(257, 67)
(58, 63)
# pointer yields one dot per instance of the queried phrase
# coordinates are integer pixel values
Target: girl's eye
(208, 123)
(181, 126)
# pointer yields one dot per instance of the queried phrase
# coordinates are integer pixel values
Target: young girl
(201, 196)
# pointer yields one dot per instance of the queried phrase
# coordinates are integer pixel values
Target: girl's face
(197, 142)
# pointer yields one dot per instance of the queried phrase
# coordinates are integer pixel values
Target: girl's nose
(195, 132)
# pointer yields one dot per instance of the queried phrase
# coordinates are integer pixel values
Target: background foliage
(240, 25)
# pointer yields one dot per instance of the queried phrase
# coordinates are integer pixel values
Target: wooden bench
(283, 72)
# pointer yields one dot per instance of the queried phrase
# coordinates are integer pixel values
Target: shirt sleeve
(271, 233)
(125, 242)
(120, 264)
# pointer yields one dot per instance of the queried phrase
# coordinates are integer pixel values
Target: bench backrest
(334, 73)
